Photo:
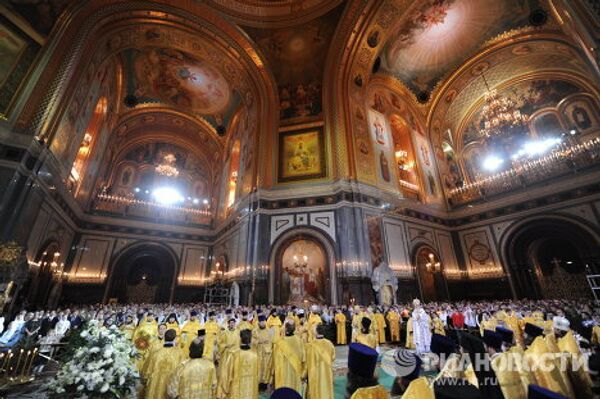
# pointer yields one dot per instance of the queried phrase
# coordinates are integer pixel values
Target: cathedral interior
(322, 151)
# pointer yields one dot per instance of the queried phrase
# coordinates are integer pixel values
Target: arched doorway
(550, 257)
(430, 274)
(302, 271)
(43, 281)
(143, 274)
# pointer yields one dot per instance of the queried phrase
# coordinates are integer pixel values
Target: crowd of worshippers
(199, 351)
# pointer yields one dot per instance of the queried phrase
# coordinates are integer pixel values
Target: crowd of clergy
(513, 349)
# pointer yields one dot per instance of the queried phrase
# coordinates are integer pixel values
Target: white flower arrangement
(103, 367)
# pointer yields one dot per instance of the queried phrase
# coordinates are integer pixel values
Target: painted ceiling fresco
(169, 76)
(441, 34)
(297, 55)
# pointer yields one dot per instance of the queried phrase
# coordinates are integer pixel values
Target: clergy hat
(193, 313)
(172, 315)
(451, 388)
(560, 323)
(470, 343)
(492, 339)
(366, 322)
(261, 318)
(402, 363)
(201, 332)
(507, 334)
(244, 313)
(442, 345)
(537, 392)
(285, 393)
(533, 330)
(211, 314)
(362, 360)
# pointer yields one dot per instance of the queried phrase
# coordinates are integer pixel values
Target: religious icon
(385, 169)
(431, 184)
(378, 128)
(581, 118)
(303, 263)
(126, 176)
(301, 155)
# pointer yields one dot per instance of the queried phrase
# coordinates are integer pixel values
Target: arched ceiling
(273, 13)
(154, 124)
(436, 36)
(501, 64)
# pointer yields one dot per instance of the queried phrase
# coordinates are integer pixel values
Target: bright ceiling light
(167, 195)
(492, 162)
(539, 147)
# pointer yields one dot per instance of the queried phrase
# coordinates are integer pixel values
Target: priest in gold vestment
(189, 332)
(262, 341)
(245, 324)
(172, 323)
(228, 339)
(379, 319)
(366, 336)
(340, 327)
(567, 345)
(320, 355)
(212, 329)
(313, 320)
(505, 366)
(289, 360)
(143, 337)
(196, 378)
(238, 375)
(546, 373)
(161, 364)
(274, 323)
(393, 319)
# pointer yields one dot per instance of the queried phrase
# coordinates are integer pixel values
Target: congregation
(200, 351)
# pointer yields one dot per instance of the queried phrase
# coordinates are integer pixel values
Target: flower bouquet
(101, 366)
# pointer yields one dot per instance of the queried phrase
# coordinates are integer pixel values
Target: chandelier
(500, 115)
(433, 265)
(167, 168)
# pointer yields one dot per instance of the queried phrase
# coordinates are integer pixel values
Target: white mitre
(560, 323)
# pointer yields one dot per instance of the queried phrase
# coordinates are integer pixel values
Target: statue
(234, 295)
(385, 284)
